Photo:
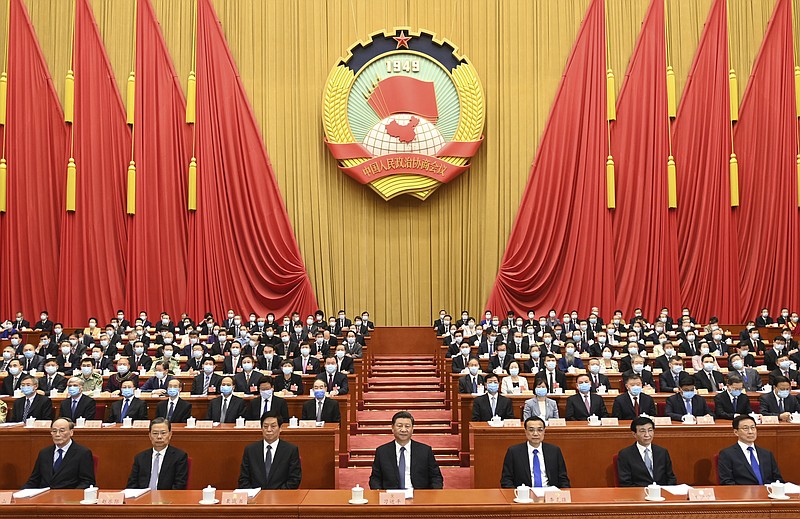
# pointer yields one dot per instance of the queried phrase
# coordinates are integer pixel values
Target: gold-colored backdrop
(403, 259)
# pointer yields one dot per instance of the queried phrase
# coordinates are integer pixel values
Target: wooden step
(385, 417)
(418, 428)
(405, 406)
(401, 397)
(444, 460)
(440, 443)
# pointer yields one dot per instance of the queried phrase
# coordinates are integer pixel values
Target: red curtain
(35, 144)
(709, 274)
(242, 249)
(94, 237)
(157, 234)
(765, 140)
(645, 242)
(559, 253)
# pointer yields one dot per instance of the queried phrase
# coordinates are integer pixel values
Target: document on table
(30, 492)
(791, 488)
(677, 490)
(133, 493)
(251, 492)
(539, 491)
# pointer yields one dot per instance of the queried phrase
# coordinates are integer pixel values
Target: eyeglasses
(747, 428)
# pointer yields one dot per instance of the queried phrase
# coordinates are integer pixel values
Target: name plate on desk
(110, 498)
(702, 391)
(512, 422)
(141, 424)
(392, 498)
(93, 424)
(234, 498)
(701, 494)
(252, 424)
(769, 419)
(609, 422)
(42, 424)
(558, 496)
(705, 420)
(557, 422)
(662, 420)
(307, 424)
(204, 424)
(5, 498)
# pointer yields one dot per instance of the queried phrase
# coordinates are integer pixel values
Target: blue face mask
(492, 387)
(584, 387)
(330, 368)
(26, 390)
(226, 390)
(784, 393)
(688, 395)
(736, 392)
(127, 392)
(28, 354)
(319, 394)
(73, 390)
(636, 390)
(173, 391)
(541, 391)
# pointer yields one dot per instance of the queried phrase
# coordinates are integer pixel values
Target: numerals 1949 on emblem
(408, 65)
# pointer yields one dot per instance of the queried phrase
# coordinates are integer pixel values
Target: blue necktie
(58, 461)
(688, 406)
(401, 467)
(734, 404)
(474, 384)
(124, 411)
(754, 464)
(74, 405)
(171, 410)
(537, 470)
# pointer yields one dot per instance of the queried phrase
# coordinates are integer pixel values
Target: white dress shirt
(541, 463)
(397, 446)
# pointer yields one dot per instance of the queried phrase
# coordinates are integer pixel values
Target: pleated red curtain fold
(645, 242)
(94, 238)
(35, 143)
(559, 254)
(158, 233)
(765, 141)
(707, 239)
(242, 249)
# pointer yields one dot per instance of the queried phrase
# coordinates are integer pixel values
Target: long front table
(589, 451)
(216, 453)
(620, 503)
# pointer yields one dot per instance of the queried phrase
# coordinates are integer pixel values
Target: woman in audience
(513, 384)
(540, 405)
(607, 363)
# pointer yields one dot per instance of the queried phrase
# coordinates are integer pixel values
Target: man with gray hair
(77, 405)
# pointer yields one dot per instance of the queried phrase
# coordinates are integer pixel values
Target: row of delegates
(538, 464)
(634, 403)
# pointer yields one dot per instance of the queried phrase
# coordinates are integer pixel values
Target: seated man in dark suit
(207, 382)
(344, 363)
(784, 370)
(158, 383)
(335, 381)
(305, 363)
(468, 384)
(227, 407)
(321, 409)
(779, 402)
(31, 362)
(534, 463)
(499, 363)
(633, 403)
(644, 463)
(596, 378)
(577, 408)
(267, 401)
(270, 463)
(270, 362)
(744, 463)
(77, 405)
(673, 378)
(709, 378)
(459, 362)
(732, 402)
(129, 406)
(637, 367)
(662, 362)
(687, 402)
(65, 464)
(174, 408)
(422, 472)
(13, 378)
(492, 403)
(553, 377)
(247, 380)
(32, 404)
(172, 463)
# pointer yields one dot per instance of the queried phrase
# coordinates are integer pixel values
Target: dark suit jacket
(330, 411)
(278, 405)
(183, 410)
(145, 362)
(777, 372)
(769, 405)
(458, 363)
(173, 473)
(647, 377)
(465, 383)
(346, 364)
(703, 383)
(153, 383)
(735, 469)
(213, 386)
(602, 380)
(240, 383)
(280, 383)
(76, 469)
(339, 381)
(482, 410)
(41, 409)
(137, 410)
(236, 408)
(86, 408)
(676, 407)
(275, 364)
(36, 363)
(623, 406)
(517, 466)
(561, 379)
(9, 385)
(312, 365)
(576, 408)
(285, 473)
(425, 473)
(667, 381)
(633, 472)
(723, 407)
(494, 362)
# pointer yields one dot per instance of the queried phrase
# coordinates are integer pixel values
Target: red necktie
(636, 405)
